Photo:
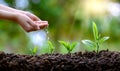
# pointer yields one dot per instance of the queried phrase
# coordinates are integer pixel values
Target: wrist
(14, 17)
(20, 11)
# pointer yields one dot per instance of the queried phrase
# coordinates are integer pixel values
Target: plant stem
(97, 47)
(69, 51)
(51, 52)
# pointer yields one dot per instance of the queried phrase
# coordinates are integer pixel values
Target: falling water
(38, 38)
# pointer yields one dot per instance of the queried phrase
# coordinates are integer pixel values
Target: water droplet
(38, 38)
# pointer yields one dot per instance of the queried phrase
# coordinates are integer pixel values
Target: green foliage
(95, 32)
(69, 46)
(51, 47)
(34, 50)
(89, 43)
(97, 39)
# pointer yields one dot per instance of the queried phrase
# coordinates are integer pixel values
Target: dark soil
(88, 61)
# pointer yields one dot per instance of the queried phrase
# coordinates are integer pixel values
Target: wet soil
(88, 61)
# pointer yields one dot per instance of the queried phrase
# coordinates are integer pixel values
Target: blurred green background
(69, 20)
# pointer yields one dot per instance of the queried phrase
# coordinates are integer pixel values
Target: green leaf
(68, 45)
(65, 44)
(51, 46)
(103, 39)
(89, 43)
(35, 50)
(95, 31)
(73, 45)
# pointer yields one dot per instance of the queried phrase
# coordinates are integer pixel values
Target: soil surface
(88, 61)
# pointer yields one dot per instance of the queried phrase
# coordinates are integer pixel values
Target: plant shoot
(69, 46)
(97, 39)
(51, 47)
(34, 50)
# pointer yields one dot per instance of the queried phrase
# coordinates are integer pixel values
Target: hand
(30, 22)
(31, 16)
(27, 20)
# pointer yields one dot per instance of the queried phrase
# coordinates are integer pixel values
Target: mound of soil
(88, 61)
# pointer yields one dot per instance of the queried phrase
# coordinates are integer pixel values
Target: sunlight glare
(95, 6)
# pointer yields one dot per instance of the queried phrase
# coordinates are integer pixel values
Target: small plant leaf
(103, 39)
(89, 43)
(68, 45)
(34, 50)
(65, 44)
(95, 31)
(51, 46)
(73, 45)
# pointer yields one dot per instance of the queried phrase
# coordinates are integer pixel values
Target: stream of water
(38, 38)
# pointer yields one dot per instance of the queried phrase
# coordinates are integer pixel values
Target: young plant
(34, 50)
(97, 39)
(51, 47)
(69, 46)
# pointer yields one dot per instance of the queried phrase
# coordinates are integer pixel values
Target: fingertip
(42, 26)
(38, 27)
(45, 22)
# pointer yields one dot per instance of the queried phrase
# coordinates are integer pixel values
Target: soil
(88, 61)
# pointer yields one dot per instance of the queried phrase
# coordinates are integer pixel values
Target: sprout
(34, 50)
(69, 46)
(51, 47)
(97, 39)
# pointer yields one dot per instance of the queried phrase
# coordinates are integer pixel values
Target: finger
(42, 25)
(27, 27)
(28, 30)
(32, 16)
(34, 25)
(41, 22)
(37, 25)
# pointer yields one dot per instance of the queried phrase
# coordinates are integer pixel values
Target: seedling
(34, 50)
(97, 39)
(51, 47)
(69, 46)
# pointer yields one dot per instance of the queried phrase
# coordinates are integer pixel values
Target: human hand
(29, 21)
